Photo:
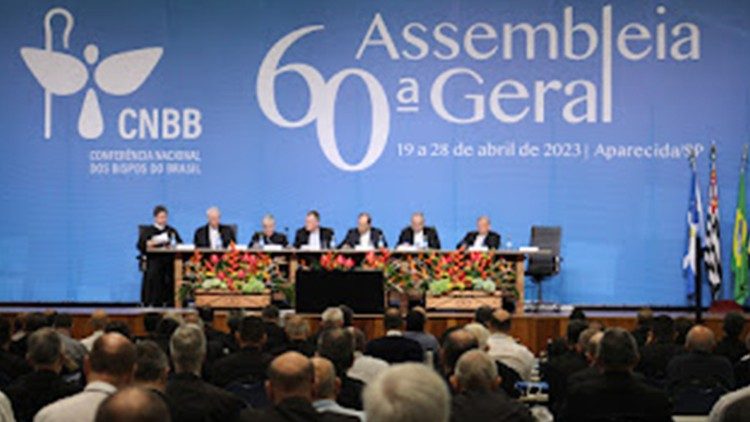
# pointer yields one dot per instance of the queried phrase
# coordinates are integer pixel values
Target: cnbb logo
(120, 74)
(322, 101)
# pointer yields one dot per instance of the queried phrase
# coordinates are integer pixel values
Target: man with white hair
(268, 234)
(478, 396)
(408, 392)
(214, 235)
(482, 237)
(332, 317)
(195, 399)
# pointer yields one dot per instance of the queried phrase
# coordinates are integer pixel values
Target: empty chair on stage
(158, 269)
(312, 236)
(418, 235)
(364, 236)
(214, 235)
(481, 238)
(268, 235)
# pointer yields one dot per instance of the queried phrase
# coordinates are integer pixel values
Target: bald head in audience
(133, 404)
(456, 343)
(476, 372)
(700, 339)
(290, 375)
(326, 384)
(112, 360)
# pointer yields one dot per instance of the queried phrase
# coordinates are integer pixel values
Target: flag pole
(698, 308)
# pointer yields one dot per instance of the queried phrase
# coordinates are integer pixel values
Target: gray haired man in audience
(477, 394)
(193, 398)
(108, 367)
(151, 367)
(133, 404)
(407, 393)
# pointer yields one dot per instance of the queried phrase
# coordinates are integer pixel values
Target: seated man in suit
(419, 236)
(312, 236)
(482, 237)
(364, 235)
(616, 394)
(394, 347)
(214, 235)
(269, 235)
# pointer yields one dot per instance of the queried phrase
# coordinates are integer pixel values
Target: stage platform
(532, 329)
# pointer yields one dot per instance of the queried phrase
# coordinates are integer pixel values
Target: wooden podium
(292, 258)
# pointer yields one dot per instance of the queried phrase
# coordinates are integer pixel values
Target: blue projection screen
(578, 114)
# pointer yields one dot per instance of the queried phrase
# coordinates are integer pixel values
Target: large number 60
(323, 101)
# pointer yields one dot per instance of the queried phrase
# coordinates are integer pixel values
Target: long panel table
(292, 258)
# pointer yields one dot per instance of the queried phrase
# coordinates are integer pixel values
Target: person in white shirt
(325, 389)
(99, 320)
(213, 234)
(365, 368)
(505, 349)
(482, 238)
(417, 235)
(312, 236)
(108, 367)
(364, 236)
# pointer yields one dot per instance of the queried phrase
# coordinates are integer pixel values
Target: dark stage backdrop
(576, 114)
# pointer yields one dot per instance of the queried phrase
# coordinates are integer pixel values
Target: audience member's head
(415, 320)
(327, 385)
(151, 321)
(574, 330)
(188, 349)
(45, 350)
(192, 317)
(617, 351)
(133, 404)
(206, 315)
(297, 328)
(252, 332)
(456, 343)
(332, 317)
(392, 319)
(700, 339)
(151, 366)
(290, 375)
(483, 314)
(112, 360)
(118, 327)
(480, 332)
(99, 320)
(500, 321)
(348, 315)
(270, 313)
(577, 314)
(337, 345)
(583, 339)
(681, 327)
(407, 392)
(644, 317)
(734, 325)
(234, 319)
(475, 372)
(592, 346)
(5, 333)
(662, 329)
(35, 321)
(166, 327)
(63, 322)
(359, 338)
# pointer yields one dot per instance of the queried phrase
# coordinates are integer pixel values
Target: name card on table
(272, 248)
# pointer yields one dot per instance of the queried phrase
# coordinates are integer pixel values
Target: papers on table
(160, 239)
(184, 247)
(528, 249)
(272, 247)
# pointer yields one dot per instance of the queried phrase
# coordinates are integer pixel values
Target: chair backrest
(233, 228)
(547, 238)
(142, 228)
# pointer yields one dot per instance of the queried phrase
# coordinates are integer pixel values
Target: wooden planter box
(463, 301)
(224, 299)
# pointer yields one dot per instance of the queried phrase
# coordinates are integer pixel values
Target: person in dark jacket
(31, 392)
(275, 335)
(482, 237)
(337, 345)
(418, 235)
(731, 346)
(194, 399)
(478, 397)
(250, 362)
(616, 394)
(659, 349)
(213, 234)
(394, 347)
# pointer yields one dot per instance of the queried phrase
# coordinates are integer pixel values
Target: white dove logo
(63, 74)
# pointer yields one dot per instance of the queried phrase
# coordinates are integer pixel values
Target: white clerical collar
(160, 226)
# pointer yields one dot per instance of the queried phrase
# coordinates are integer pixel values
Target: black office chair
(545, 263)
(141, 257)
(233, 228)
